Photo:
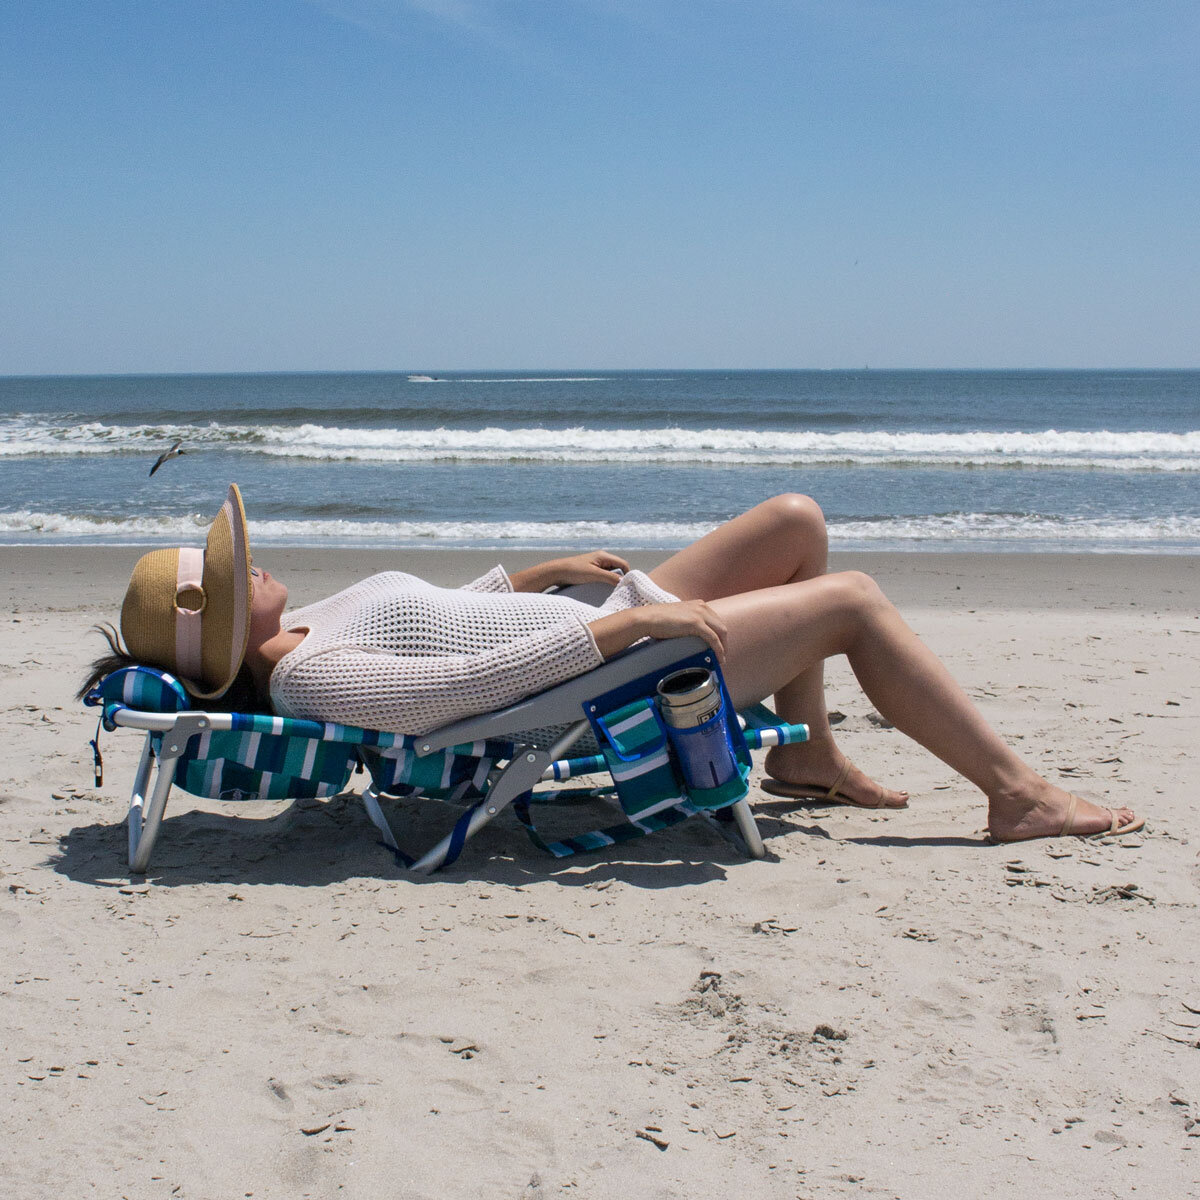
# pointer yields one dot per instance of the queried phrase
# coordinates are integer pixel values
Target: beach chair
(485, 764)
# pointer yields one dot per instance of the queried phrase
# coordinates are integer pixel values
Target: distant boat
(423, 379)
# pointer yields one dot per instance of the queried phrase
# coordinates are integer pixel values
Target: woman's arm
(685, 618)
(597, 567)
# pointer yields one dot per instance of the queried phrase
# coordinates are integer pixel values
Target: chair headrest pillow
(144, 688)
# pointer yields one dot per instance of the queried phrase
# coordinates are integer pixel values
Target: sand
(887, 1006)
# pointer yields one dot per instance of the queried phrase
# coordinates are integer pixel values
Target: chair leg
(517, 778)
(744, 818)
(370, 799)
(146, 816)
(137, 799)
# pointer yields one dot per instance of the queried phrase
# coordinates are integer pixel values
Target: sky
(243, 185)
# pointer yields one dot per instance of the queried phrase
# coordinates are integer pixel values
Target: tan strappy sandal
(1115, 828)
(831, 795)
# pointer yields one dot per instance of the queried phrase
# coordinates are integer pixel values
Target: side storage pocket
(634, 744)
(649, 785)
(730, 792)
(636, 747)
(725, 727)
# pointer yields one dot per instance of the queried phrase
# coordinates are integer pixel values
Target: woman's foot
(1052, 812)
(831, 777)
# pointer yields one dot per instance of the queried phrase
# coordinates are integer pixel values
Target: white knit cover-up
(398, 654)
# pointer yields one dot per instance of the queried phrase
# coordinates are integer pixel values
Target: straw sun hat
(188, 610)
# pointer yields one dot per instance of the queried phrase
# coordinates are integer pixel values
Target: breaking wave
(32, 436)
(961, 530)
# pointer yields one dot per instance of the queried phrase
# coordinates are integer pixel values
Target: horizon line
(452, 371)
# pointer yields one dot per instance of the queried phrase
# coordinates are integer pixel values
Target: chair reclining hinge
(187, 726)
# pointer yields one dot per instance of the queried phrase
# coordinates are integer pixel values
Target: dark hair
(242, 695)
(116, 658)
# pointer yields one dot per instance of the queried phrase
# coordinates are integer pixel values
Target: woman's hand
(597, 567)
(683, 618)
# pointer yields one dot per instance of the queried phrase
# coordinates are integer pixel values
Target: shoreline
(94, 577)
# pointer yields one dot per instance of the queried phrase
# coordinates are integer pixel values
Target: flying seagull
(166, 456)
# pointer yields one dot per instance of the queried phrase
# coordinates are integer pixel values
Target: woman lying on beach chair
(395, 653)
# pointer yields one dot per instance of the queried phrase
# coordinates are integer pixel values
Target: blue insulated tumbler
(693, 711)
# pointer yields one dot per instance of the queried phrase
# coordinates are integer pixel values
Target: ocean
(1084, 461)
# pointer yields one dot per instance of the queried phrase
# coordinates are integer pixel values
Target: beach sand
(887, 1006)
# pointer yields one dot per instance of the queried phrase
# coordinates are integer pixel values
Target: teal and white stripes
(635, 748)
(458, 773)
(263, 766)
(142, 688)
(761, 727)
(275, 758)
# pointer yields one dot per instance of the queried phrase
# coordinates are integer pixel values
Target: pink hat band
(189, 621)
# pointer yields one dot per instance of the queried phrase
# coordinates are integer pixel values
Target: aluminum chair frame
(557, 706)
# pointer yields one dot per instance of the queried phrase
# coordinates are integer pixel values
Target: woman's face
(266, 605)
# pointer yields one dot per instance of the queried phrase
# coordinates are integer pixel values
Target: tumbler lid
(688, 697)
(683, 687)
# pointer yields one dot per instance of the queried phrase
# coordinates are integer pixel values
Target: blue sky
(424, 184)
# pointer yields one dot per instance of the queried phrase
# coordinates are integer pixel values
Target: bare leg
(783, 540)
(778, 633)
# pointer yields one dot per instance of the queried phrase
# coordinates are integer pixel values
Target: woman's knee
(858, 591)
(797, 509)
(801, 518)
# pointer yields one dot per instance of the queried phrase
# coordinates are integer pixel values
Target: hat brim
(229, 595)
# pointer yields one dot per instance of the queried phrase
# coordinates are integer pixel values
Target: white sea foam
(513, 379)
(540, 379)
(960, 530)
(1005, 527)
(1143, 450)
(50, 525)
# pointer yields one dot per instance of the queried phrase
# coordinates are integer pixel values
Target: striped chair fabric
(278, 758)
(275, 758)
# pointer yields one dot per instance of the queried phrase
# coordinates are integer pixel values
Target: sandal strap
(1069, 820)
(841, 778)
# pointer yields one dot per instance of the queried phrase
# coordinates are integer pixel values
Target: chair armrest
(594, 594)
(563, 704)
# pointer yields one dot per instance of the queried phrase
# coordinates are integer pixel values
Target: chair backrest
(247, 764)
(227, 765)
